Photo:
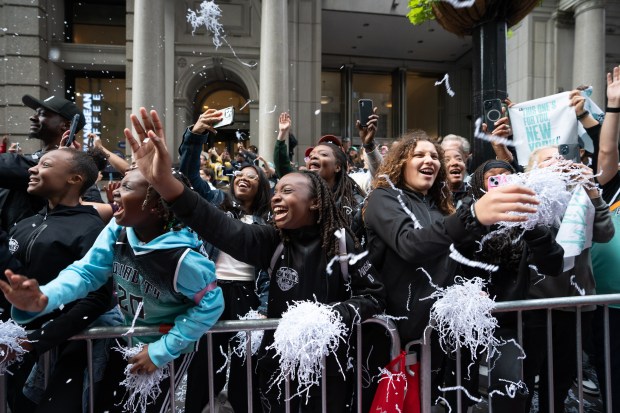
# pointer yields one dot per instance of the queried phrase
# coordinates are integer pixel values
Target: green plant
(420, 11)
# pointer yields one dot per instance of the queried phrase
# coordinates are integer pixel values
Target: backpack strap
(342, 247)
(275, 256)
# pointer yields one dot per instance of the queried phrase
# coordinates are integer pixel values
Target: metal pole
(579, 360)
(91, 380)
(550, 360)
(211, 372)
(248, 371)
(173, 402)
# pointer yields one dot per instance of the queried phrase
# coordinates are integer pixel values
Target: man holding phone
(51, 119)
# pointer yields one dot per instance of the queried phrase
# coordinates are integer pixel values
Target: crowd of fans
(223, 236)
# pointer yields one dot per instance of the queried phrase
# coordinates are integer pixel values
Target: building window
(102, 99)
(422, 104)
(95, 21)
(378, 88)
(331, 103)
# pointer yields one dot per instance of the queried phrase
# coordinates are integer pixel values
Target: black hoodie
(400, 251)
(47, 243)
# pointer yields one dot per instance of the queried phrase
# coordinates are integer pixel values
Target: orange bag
(401, 391)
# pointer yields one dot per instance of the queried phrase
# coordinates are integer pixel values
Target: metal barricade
(519, 307)
(220, 327)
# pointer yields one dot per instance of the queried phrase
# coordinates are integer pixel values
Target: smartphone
(495, 181)
(492, 112)
(228, 117)
(73, 129)
(365, 111)
(570, 152)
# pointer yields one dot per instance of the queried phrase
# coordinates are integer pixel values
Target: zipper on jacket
(33, 238)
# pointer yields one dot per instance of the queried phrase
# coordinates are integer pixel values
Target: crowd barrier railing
(220, 327)
(519, 307)
(425, 354)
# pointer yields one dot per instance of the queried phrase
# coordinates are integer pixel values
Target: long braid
(331, 217)
(344, 186)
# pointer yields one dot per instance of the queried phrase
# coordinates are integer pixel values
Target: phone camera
(494, 115)
(494, 181)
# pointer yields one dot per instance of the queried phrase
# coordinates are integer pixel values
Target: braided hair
(162, 209)
(331, 217)
(345, 187)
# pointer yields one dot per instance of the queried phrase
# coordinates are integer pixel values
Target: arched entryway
(220, 95)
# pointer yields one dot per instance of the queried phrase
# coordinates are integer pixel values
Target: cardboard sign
(542, 122)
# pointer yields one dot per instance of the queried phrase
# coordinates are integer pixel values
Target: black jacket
(304, 260)
(47, 243)
(299, 272)
(400, 252)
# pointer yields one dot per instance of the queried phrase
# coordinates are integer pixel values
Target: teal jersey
(175, 283)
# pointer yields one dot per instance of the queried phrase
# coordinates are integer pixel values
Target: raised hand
(63, 141)
(613, 88)
(152, 157)
(495, 206)
(206, 121)
(23, 292)
(150, 122)
(367, 134)
(578, 101)
(284, 125)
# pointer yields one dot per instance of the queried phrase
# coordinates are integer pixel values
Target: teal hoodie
(194, 278)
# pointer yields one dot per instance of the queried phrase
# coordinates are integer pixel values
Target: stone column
(148, 70)
(589, 58)
(274, 85)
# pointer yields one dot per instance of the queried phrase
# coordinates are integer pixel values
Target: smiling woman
(411, 225)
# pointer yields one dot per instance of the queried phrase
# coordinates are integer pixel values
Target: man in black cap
(51, 119)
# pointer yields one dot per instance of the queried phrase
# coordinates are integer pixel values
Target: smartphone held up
(72, 130)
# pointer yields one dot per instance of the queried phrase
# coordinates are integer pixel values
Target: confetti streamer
(11, 351)
(143, 389)
(478, 133)
(446, 81)
(416, 223)
(460, 4)
(307, 332)
(456, 256)
(242, 338)
(209, 16)
(135, 318)
(580, 290)
(245, 104)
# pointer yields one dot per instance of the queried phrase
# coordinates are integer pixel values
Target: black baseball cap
(63, 107)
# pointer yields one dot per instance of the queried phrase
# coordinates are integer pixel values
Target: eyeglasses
(246, 175)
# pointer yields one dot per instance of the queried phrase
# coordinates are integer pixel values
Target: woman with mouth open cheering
(305, 218)
(411, 223)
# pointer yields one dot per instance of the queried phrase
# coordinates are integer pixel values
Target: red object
(401, 393)
(307, 153)
(330, 139)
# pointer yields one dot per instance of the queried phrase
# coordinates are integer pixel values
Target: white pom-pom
(307, 332)
(143, 389)
(242, 338)
(552, 185)
(11, 335)
(462, 316)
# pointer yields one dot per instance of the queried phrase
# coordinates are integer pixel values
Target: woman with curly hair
(411, 224)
